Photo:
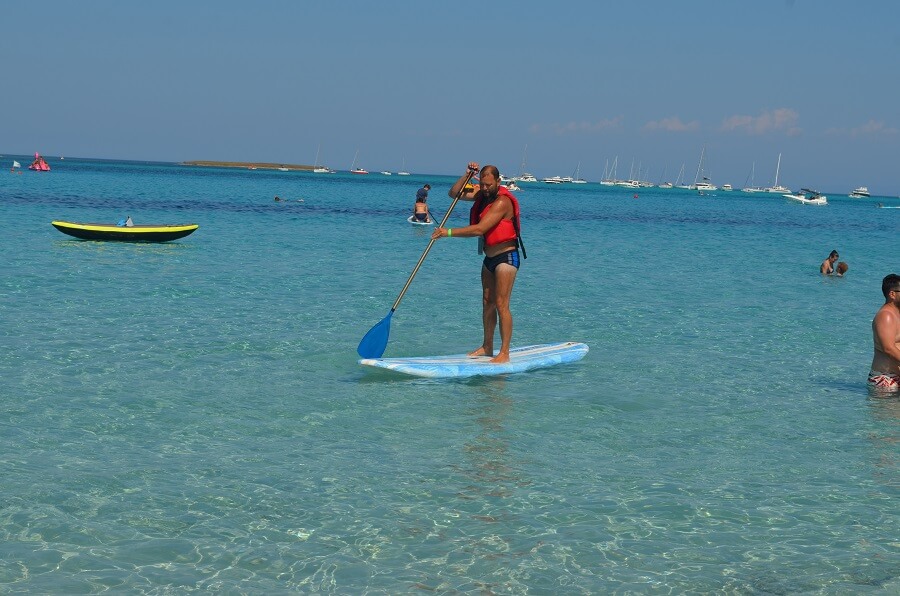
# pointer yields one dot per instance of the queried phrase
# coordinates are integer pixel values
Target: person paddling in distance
(885, 372)
(420, 209)
(494, 218)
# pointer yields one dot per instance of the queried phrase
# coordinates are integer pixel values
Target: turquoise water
(191, 416)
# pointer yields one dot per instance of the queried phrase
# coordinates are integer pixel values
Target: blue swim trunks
(508, 258)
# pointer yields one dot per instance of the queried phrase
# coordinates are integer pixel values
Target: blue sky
(439, 83)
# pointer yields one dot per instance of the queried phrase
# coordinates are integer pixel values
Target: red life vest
(506, 229)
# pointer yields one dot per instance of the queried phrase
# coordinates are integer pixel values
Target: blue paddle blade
(375, 341)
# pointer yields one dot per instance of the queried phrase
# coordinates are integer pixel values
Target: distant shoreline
(248, 165)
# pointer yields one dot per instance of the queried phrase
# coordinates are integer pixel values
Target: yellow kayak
(143, 233)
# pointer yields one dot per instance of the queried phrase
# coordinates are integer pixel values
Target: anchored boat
(807, 197)
(122, 233)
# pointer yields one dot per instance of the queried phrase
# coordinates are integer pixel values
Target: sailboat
(403, 171)
(663, 177)
(576, 179)
(320, 169)
(778, 189)
(749, 183)
(609, 177)
(354, 169)
(631, 182)
(703, 184)
(679, 181)
(523, 175)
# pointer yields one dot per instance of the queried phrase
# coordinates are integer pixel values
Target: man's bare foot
(500, 359)
(481, 352)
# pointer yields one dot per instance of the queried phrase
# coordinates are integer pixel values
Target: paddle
(375, 341)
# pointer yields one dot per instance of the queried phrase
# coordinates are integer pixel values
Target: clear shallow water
(191, 415)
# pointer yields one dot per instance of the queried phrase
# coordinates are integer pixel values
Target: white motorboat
(705, 186)
(552, 180)
(386, 173)
(727, 187)
(807, 197)
(860, 193)
(627, 183)
(526, 177)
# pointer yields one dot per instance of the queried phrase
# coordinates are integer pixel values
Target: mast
(777, 169)
(699, 165)
(524, 158)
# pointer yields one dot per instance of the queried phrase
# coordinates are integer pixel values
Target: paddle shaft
(431, 242)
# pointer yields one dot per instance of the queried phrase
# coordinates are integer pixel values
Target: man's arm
(458, 185)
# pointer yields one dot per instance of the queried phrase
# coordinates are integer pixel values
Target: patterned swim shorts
(884, 381)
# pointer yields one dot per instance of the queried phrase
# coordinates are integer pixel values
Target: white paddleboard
(461, 365)
(412, 219)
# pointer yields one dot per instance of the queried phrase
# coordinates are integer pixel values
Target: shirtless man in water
(497, 222)
(885, 373)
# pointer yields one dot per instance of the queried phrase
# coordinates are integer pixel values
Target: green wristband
(449, 232)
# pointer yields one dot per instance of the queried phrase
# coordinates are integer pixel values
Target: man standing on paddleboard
(885, 373)
(494, 218)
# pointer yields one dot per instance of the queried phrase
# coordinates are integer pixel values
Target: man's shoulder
(887, 314)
